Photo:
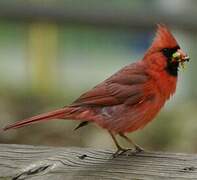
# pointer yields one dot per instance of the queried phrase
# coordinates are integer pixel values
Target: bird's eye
(167, 52)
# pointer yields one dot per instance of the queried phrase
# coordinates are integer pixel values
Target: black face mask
(172, 67)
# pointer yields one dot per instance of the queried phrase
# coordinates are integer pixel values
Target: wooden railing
(19, 162)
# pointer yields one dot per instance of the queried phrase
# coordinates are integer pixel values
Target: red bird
(129, 99)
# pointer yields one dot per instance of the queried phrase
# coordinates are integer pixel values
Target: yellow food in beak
(181, 57)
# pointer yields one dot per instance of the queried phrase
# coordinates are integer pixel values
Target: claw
(128, 152)
(138, 149)
(122, 151)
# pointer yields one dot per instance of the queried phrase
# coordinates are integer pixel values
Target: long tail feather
(60, 113)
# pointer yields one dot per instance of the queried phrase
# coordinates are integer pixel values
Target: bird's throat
(172, 68)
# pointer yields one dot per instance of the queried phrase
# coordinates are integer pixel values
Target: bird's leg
(137, 147)
(120, 150)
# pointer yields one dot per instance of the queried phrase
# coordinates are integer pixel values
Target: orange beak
(182, 56)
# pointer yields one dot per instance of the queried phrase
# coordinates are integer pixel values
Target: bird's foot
(128, 152)
(122, 151)
(137, 150)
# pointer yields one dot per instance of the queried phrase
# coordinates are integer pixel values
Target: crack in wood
(188, 169)
(82, 156)
(30, 172)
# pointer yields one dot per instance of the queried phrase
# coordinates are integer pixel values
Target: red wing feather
(126, 83)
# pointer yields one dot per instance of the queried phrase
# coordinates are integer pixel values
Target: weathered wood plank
(19, 162)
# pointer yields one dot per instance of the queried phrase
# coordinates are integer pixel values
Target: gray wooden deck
(19, 162)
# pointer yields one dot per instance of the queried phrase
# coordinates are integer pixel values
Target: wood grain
(19, 162)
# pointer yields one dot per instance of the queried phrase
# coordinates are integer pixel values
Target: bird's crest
(163, 38)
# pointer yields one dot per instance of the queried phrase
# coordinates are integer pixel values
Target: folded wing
(126, 86)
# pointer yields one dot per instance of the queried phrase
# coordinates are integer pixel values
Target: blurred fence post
(42, 55)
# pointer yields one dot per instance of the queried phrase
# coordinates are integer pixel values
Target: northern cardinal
(130, 98)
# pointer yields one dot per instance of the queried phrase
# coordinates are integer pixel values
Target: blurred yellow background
(52, 51)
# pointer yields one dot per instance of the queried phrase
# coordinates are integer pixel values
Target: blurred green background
(52, 51)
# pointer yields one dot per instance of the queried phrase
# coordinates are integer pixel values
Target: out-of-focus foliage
(45, 65)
